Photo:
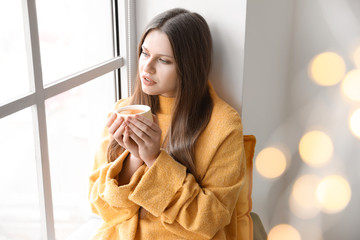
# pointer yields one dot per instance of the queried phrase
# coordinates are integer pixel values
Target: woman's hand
(138, 135)
(116, 128)
(142, 138)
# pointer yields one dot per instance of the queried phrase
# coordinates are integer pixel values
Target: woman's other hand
(142, 138)
(116, 128)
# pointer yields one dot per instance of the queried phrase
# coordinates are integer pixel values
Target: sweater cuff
(115, 195)
(159, 184)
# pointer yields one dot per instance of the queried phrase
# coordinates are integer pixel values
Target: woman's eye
(144, 54)
(163, 61)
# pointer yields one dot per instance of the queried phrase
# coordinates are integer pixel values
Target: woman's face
(157, 67)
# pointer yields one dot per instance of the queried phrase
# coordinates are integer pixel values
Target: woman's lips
(147, 81)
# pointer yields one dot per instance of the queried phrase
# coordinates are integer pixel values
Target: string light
(333, 193)
(351, 85)
(316, 148)
(327, 69)
(270, 162)
(303, 201)
(355, 123)
(284, 232)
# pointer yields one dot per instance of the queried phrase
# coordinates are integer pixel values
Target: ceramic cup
(132, 110)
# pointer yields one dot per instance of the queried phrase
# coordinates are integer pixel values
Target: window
(61, 69)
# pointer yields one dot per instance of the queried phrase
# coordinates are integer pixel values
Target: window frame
(122, 64)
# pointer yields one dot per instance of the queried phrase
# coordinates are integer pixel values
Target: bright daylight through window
(58, 76)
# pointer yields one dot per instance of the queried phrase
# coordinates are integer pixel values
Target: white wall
(281, 103)
(267, 44)
(226, 20)
(267, 54)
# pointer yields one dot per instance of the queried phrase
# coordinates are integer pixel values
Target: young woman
(179, 176)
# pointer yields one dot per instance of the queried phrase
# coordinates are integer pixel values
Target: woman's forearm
(130, 165)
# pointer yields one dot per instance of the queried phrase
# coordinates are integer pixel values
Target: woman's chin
(147, 91)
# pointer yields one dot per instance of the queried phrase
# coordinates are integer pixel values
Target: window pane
(73, 35)
(14, 79)
(75, 120)
(19, 201)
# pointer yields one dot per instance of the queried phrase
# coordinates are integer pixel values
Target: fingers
(129, 143)
(137, 135)
(147, 146)
(143, 127)
(114, 124)
(116, 128)
(111, 119)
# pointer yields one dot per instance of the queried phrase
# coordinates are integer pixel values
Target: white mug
(132, 110)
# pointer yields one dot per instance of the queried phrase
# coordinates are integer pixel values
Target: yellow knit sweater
(164, 201)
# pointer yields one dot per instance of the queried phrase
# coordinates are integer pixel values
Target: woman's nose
(149, 66)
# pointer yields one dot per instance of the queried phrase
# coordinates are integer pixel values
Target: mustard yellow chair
(258, 232)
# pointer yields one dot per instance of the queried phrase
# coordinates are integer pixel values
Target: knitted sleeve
(190, 209)
(106, 198)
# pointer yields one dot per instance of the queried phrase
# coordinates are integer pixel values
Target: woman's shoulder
(222, 111)
(224, 114)
(224, 122)
(224, 125)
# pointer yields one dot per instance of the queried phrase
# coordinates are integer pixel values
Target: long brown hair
(191, 43)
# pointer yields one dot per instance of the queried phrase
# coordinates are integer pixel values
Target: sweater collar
(166, 104)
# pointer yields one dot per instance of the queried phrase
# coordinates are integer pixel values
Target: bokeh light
(333, 193)
(316, 148)
(303, 201)
(270, 162)
(357, 57)
(327, 69)
(283, 232)
(355, 123)
(351, 85)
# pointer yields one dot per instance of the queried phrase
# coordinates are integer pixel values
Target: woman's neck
(166, 105)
